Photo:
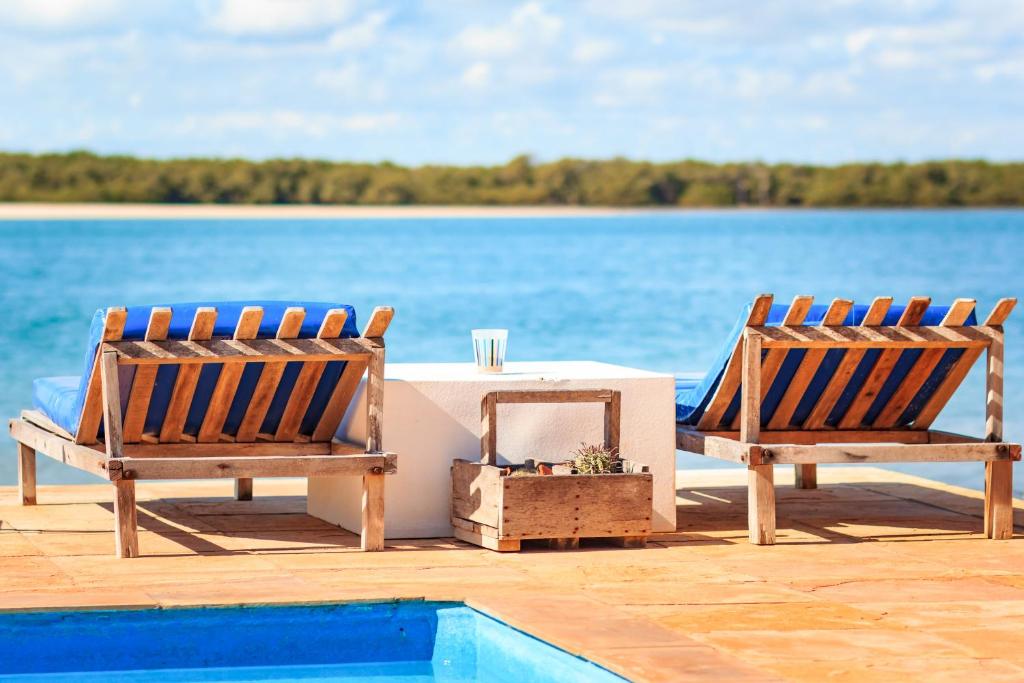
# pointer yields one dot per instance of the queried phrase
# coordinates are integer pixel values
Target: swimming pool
(402, 641)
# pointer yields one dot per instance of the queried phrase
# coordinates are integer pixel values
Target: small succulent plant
(592, 459)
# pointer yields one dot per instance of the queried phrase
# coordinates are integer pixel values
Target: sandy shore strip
(98, 211)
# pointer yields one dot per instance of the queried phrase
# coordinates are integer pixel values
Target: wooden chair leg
(806, 476)
(125, 520)
(243, 489)
(999, 499)
(761, 504)
(372, 532)
(26, 474)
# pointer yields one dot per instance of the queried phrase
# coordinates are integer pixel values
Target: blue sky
(479, 82)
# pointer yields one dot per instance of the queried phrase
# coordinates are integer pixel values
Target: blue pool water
(385, 642)
(653, 290)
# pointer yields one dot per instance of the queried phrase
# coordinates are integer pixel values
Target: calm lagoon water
(653, 290)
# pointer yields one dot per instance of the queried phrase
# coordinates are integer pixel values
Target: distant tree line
(86, 177)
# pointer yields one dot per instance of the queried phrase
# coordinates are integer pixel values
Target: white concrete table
(432, 416)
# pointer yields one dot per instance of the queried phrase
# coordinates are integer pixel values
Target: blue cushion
(692, 399)
(54, 397)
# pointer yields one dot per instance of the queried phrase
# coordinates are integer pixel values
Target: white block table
(432, 416)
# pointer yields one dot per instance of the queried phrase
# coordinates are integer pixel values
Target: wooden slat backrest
(922, 369)
(834, 316)
(266, 386)
(309, 376)
(247, 327)
(188, 376)
(145, 378)
(92, 409)
(847, 366)
(959, 371)
(347, 384)
(882, 368)
(730, 382)
(774, 358)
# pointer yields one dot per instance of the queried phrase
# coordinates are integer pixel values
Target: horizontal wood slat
(898, 338)
(254, 466)
(179, 352)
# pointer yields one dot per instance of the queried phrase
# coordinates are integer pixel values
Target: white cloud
(58, 14)
(360, 35)
(277, 17)
(593, 50)
(529, 24)
(351, 81)
(477, 75)
(628, 87)
(285, 122)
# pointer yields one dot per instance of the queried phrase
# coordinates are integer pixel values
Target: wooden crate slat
(247, 327)
(730, 381)
(959, 371)
(774, 358)
(847, 366)
(188, 376)
(92, 410)
(883, 367)
(270, 377)
(921, 370)
(145, 378)
(309, 377)
(783, 415)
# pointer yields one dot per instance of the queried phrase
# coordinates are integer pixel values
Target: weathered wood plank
(783, 415)
(126, 536)
(145, 378)
(959, 372)
(761, 504)
(40, 420)
(256, 466)
(111, 405)
(188, 376)
(231, 449)
(92, 410)
(489, 429)
(588, 506)
(371, 534)
(270, 378)
(231, 351)
(483, 536)
(730, 382)
(247, 327)
(800, 436)
(476, 492)
(890, 338)
(375, 401)
(998, 518)
(874, 453)
(26, 475)
(883, 367)
(774, 358)
(554, 396)
(750, 388)
(847, 366)
(309, 377)
(613, 422)
(723, 448)
(88, 458)
(379, 321)
(921, 370)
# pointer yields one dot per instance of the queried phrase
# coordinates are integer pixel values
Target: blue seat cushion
(693, 398)
(54, 397)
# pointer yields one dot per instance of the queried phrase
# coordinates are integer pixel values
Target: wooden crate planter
(498, 512)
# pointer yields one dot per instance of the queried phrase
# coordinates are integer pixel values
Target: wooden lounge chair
(807, 384)
(230, 390)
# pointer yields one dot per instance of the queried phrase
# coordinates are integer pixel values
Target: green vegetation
(85, 177)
